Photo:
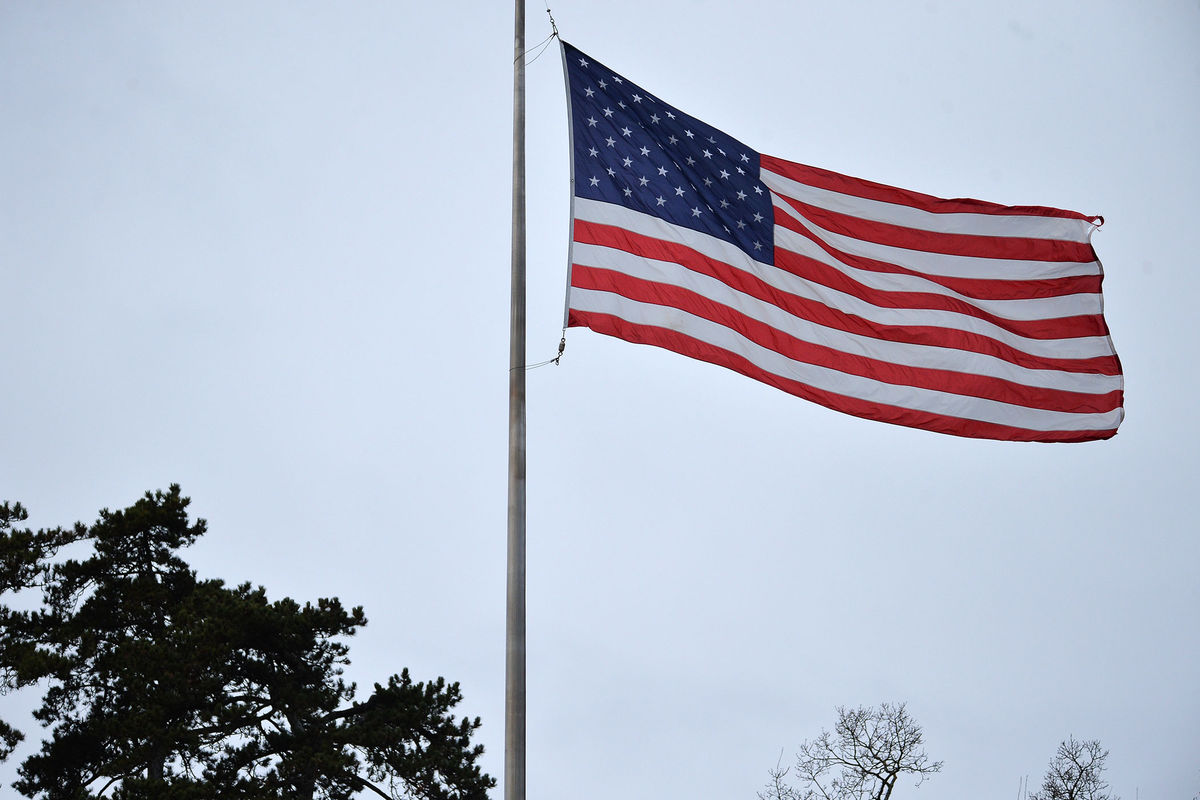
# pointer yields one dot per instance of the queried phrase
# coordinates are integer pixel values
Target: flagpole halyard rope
(562, 345)
(543, 44)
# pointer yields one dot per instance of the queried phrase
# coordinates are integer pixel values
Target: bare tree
(861, 759)
(1076, 773)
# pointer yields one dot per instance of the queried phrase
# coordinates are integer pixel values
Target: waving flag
(958, 316)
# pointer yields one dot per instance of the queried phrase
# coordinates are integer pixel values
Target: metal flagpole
(514, 662)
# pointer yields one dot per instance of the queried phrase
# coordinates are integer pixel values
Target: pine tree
(163, 685)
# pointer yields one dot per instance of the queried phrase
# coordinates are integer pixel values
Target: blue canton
(633, 149)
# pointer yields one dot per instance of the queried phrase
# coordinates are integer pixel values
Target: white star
(625, 131)
(583, 62)
(691, 162)
(689, 134)
(612, 173)
(719, 150)
(593, 152)
(724, 203)
(670, 115)
(617, 78)
(637, 98)
(603, 85)
(745, 158)
(740, 170)
(589, 91)
(627, 161)
(707, 154)
(591, 121)
(673, 140)
(696, 211)
(662, 171)
(643, 180)
(758, 217)
(611, 141)
(711, 140)
(758, 245)
(661, 201)
(621, 103)
(679, 191)
(608, 112)
(740, 224)
(628, 192)
(758, 190)
(741, 195)
(708, 181)
(724, 174)
(645, 151)
(594, 181)
(654, 118)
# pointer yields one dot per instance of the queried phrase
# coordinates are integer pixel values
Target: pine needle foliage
(160, 684)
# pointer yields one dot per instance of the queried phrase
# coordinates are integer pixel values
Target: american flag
(958, 316)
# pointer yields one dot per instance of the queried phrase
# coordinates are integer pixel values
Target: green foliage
(163, 685)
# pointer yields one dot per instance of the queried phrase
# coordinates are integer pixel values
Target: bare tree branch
(1076, 773)
(868, 750)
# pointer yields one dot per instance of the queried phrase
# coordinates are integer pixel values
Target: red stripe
(648, 247)
(976, 288)
(1061, 328)
(954, 244)
(760, 333)
(809, 269)
(1052, 328)
(833, 181)
(685, 345)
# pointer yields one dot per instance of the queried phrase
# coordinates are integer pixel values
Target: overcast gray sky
(262, 250)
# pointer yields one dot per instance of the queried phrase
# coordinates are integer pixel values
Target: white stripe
(905, 354)
(648, 225)
(941, 264)
(1034, 308)
(866, 389)
(606, 213)
(1016, 226)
